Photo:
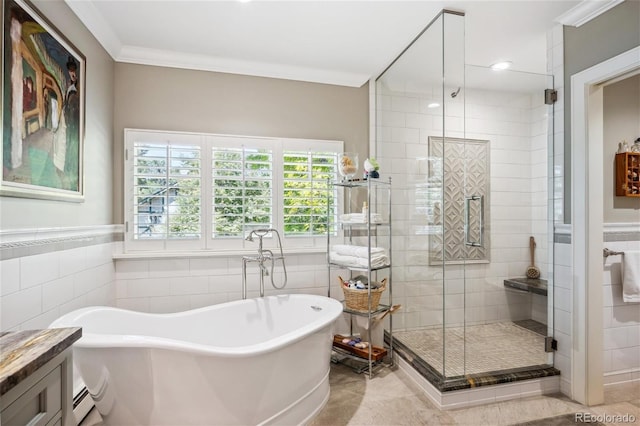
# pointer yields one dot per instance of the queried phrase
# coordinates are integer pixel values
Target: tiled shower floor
(476, 349)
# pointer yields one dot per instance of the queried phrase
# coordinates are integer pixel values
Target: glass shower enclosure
(468, 149)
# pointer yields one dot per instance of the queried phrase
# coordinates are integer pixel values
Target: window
(166, 180)
(243, 190)
(198, 191)
(305, 176)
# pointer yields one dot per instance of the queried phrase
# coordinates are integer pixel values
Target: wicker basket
(358, 299)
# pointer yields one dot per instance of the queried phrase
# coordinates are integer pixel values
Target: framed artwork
(43, 77)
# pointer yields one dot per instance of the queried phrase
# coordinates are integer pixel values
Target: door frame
(587, 194)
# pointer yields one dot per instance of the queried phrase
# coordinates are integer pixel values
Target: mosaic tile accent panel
(479, 348)
(460, 169)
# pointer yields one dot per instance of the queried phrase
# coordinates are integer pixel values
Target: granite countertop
(23, 352)
(532, 285)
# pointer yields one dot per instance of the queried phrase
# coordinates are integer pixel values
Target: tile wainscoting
(46, 273)
(621, 320)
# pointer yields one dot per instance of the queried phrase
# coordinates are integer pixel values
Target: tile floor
(392, 398)
(478, 348)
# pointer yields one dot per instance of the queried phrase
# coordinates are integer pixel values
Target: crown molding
(586, 11)
(173, 59)
(89, 15)
(102, 31)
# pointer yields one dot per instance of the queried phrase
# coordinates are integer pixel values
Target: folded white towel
(377, 261)
(360, 218)
(357, 251)
(631, 276)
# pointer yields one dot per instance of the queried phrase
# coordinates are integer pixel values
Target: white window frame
(174, 139)
(206, 141)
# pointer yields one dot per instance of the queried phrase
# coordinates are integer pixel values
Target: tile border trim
(562, 233)
(621, 232)
(15, 243)
(611, 232)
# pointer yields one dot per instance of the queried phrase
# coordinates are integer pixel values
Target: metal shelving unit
(377, 194)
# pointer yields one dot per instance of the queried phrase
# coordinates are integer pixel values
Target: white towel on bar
(358, 251)
(631, 276)
(377, 260)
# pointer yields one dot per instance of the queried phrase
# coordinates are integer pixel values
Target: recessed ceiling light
(433, 105)
(244, 1)
(501, 65)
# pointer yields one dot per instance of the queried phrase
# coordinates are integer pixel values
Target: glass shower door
(507, 150)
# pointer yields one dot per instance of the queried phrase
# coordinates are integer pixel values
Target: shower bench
(532, 285)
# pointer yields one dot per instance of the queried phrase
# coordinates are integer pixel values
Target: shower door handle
(467, 220)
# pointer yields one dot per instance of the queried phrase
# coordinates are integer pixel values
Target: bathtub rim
(105, 341)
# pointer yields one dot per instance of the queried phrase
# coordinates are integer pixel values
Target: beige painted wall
(160, 98)
(97, 208)
(621, 122)
(602, 38)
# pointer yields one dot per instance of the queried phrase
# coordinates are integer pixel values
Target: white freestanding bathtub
(249, 362)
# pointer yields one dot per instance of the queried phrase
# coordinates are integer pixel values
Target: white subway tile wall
(516, 125)
(555, 67)
(37, 289)
(172, 285)
(563, 287)
(621, 321)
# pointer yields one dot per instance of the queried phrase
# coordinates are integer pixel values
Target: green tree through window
(190, 191)
(305, 178)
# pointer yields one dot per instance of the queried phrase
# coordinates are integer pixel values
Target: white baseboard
(619, 377)
(82, 404)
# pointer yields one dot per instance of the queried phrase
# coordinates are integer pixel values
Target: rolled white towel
(358, 251)
(631, 276)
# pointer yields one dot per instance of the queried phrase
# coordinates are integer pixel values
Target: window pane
(242, 190)
(166, 191)
(305, 178)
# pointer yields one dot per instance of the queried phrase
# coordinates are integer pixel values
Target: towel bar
(606, 253)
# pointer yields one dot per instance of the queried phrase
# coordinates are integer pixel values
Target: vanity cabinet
(628, 174)
(39, 402)
(35, 379)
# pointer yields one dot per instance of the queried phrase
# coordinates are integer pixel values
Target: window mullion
(166, 195)
(243, 175)
(206, 191)
(310, 180)
(277, 164)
